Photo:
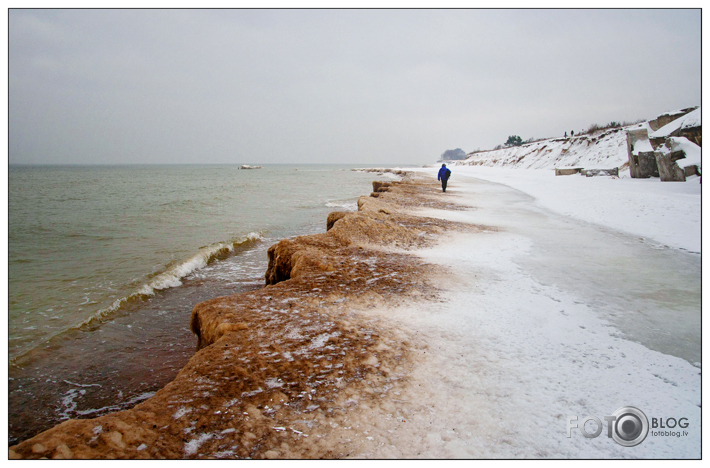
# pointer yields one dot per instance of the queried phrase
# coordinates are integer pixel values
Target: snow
(194, 444)
(690, 120)
(274, 383)
(182, 411)
(677, 111)
(666, 212)
(692, 151)
(603, 150)
(320, 340)
(642, 146)
(548, 317)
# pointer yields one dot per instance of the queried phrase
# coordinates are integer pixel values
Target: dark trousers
(443, 184)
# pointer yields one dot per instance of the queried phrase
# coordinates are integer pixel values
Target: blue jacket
(444, 174)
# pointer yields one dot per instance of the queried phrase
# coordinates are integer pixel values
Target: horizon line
(208, 164)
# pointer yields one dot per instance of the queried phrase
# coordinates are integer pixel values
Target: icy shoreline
(467, 347)
(534, 330)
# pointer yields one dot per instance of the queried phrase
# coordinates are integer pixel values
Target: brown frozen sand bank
(297, 369)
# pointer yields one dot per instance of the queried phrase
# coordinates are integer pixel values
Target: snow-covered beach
(667, 214)
(554, 314)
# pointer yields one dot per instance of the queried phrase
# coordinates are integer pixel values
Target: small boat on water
(247, 166)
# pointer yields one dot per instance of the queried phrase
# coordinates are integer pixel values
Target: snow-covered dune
(602, 150)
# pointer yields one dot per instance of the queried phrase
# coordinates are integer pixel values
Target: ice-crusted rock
(333, 217)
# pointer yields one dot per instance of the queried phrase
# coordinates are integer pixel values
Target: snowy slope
(600, 151)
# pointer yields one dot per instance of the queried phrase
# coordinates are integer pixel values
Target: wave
(171, 277)
(349, 205)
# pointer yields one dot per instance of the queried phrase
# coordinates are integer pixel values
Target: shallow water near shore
(106, 264)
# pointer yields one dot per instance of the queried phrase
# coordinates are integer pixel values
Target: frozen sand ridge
(280, 368)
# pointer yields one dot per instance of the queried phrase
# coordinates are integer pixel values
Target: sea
(105, 264)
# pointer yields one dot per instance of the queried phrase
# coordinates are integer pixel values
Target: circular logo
(630, 427)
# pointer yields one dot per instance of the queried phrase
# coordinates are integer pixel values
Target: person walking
(444, 174)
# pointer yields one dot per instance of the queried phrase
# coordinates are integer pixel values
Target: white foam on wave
(170, 278)
(173, 277)
(350, 205)
(111, 408)
(391, 176)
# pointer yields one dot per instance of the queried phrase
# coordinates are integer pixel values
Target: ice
(666, 212)
(82, 385)
(551, 316)
(68, 403)
(320, 340)
(182, 411)
(192, 446)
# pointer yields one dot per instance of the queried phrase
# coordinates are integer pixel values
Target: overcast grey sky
(332, 86)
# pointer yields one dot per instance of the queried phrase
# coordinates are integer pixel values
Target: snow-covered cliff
(608, 148)
(603, 150)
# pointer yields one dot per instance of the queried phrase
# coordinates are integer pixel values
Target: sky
(332, 86)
